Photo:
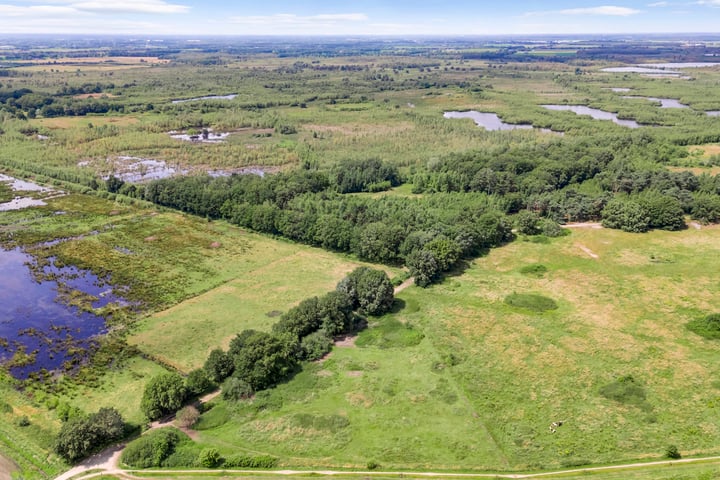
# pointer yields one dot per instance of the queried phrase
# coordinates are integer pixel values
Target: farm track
(106, 463)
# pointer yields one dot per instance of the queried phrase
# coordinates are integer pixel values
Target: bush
(209, 458)
(316, 345)
(372, 465)
(672, 452)
(152, 449)
(235, 389)
(187, 416)
(250, 461)
(531, 301)
(707, 327)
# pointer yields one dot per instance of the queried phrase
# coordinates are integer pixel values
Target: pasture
(458, 379)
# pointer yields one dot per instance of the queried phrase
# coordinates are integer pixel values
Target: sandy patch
(7, 467)
(354, 373)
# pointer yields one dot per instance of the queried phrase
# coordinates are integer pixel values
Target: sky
(358, 17)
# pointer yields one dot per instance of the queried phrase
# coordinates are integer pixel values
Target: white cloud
(292, 20)
(604, 10)
(130, 6)
(62, 7)
(712, 3)
(659, 4)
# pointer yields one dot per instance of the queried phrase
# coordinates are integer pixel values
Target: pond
(20, 201)
(595, 113)
(207, 97)
(39, 329)
(490, 121)
(664, 102)
(713, 113)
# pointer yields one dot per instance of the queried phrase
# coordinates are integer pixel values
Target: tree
(527, 222)
(663, 211)
(262, 359)
(236, 389)
(446, 252)
(625, 215)
(80, 436)
(163, 394)
(198, 382)
(316, 345)
(370, 291)
(423, 267)
(218, 365)
(187, 416)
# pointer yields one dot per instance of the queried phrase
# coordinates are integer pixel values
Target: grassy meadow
(455, 378)
(458, 379)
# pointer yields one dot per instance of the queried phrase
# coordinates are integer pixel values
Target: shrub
(316, 345)
(531, 301)
(209, 458)
(672, 452)
(236, 389)
(152, 449)
(80, 436)
(250, 461)
(187, 416)
(218, 365)
(708, 326)
(372, 465)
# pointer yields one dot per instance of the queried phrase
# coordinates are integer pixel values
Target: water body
(595, 113)
(211, 138)
(664, 102)
(639, 69)
(138, 170)
(20, 202)
(489, 121)
(681, 65)
(208, 97)
(35, 320)
(713, 113)
(620, 89)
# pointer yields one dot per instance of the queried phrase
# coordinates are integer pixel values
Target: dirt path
(404, 285)
(7, 467)
(595, 225)
(369, 474)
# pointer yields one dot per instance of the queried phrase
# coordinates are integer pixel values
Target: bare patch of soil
(354, 373)
(151, 238)
(215, 245)
(347, 341)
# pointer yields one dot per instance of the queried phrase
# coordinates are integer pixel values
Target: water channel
(595, 113)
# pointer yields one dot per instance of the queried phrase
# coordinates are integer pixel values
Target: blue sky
(360, 17)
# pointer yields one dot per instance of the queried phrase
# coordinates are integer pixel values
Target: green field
(474, 373)
(459, 380)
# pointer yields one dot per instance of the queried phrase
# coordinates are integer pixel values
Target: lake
(595, 113)
(491, 122)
